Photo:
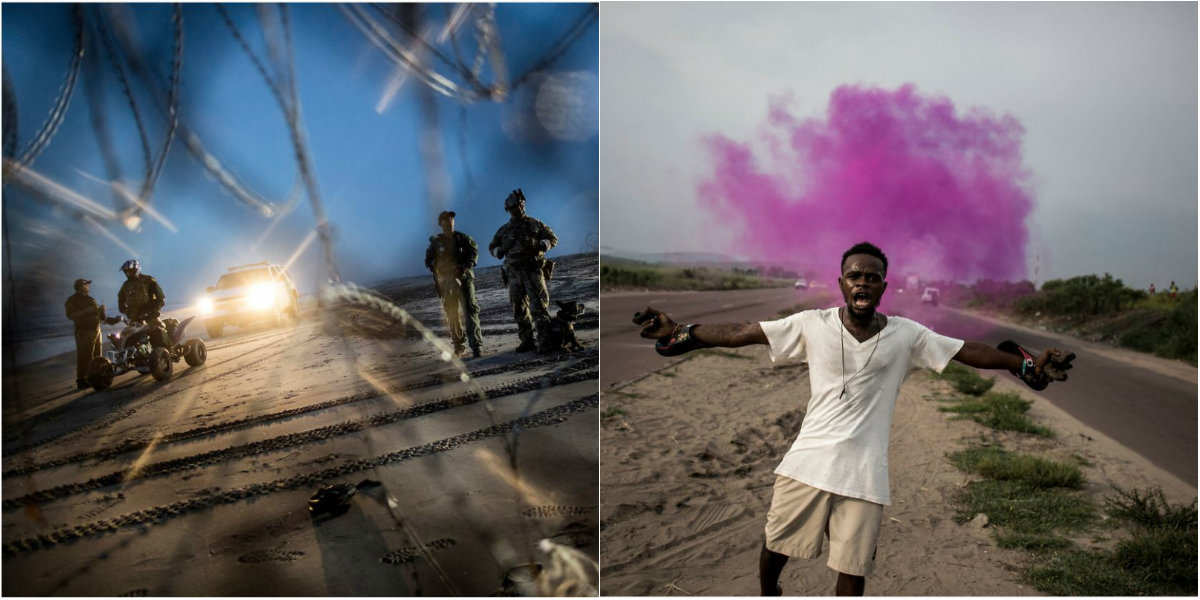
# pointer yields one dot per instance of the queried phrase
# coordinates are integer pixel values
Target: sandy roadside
(686, 474)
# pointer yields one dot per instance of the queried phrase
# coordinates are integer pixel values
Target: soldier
(451, 256)
(522, 243)
(86, 314)
(141, 298)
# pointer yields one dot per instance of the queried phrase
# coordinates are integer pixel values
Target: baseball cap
(445, 214)
(79, 282)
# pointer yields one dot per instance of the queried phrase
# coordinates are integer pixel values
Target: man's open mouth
(861, 299)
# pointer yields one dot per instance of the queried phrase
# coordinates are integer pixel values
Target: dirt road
(1145, 403)
(199, 485)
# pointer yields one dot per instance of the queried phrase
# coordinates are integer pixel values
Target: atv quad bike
(139, 347)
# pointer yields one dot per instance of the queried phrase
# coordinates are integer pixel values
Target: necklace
(842, 339)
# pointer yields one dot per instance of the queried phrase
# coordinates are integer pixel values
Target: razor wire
(172, 112)
(282, 53)
(9, 115)
(58, 110)
(118, 69)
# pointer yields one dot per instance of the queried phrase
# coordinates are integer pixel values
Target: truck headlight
(261, 296)
(205, 305)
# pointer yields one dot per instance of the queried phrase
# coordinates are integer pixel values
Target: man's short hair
(445, 214)
(866, 248)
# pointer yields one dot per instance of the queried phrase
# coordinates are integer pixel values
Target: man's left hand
(1037, 373)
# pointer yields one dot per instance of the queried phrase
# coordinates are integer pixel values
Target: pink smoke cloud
(945, 195)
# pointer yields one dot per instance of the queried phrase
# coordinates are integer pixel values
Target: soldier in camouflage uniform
(141, 298)
(451, 256)
(522, 243)
(86, 314)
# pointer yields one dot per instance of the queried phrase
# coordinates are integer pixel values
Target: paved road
(1146, 411)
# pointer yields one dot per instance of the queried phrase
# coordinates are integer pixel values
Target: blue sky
(366, 153)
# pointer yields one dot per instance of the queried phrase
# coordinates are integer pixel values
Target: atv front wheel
(194, 353)
(214, 330)
(160, 364)
(100, 373)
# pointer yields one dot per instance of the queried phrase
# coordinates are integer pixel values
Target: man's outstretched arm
(983, 356)
(1036, 372)
(674, 338)
(730, 335)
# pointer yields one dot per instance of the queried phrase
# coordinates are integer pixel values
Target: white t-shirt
(843, 442)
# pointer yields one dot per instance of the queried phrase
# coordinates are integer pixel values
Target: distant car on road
(930, 296)
(801, 284)
(245, 294)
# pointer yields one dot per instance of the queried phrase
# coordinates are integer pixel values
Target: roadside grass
(965, 379)
(1002, 465)
(658, 277)
(611, 411)
(1003, 411)
(1158, 559)
(630, 395)
(1033, 503)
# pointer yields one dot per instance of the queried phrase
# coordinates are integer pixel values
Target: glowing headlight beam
(532, 495)
(133, 199)
(110, 235)
(29, 179)
(205, 305)
(308, 240)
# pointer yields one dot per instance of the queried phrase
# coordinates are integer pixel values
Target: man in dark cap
(87, 315)
(522, 244)
(451, 256)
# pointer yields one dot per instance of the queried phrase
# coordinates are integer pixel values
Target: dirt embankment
(687, 456)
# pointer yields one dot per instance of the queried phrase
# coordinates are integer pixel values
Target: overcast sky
(363, 123)
(1106, 93)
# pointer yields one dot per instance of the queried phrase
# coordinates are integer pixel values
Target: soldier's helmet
(132, 265)
(514, 199)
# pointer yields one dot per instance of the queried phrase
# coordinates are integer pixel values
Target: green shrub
(1004, 411)
(966, 380)
(1083, 295)
(995, 463)
(1023, 508)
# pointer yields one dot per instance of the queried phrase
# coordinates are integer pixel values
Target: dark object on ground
(334, 498)
(561, 335)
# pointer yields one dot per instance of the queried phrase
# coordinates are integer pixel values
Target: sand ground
(687, 455)
(199, 485)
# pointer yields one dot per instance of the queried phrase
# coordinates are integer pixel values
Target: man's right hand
(655, 324)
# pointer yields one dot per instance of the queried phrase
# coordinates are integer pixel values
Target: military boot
(527, 346)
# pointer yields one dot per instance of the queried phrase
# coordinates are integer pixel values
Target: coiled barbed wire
(58, 110)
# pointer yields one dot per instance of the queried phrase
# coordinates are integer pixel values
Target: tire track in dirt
(290, 440)
(162, 513)
(130, 396)
(137, 445)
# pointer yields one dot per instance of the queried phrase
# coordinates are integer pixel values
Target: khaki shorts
(801, 516)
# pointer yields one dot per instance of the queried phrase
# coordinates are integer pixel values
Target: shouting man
(834, 480)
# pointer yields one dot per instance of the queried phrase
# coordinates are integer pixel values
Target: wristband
(679, 342)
